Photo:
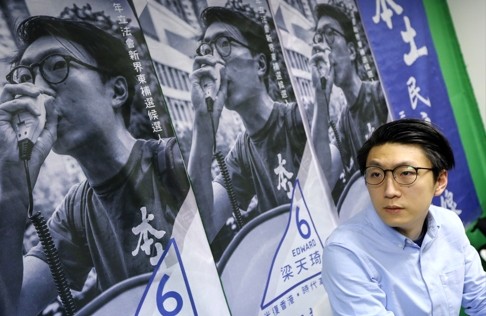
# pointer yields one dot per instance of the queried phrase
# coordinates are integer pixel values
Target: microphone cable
(45, 238)
(240, 221)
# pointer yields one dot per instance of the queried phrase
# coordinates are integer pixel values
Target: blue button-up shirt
(371, 269)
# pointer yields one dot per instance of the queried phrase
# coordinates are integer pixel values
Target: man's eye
(374, 173)
(25, 78)
(407, 173)
(22, 75)
(223, 43)
(60, 64)
(204, 50)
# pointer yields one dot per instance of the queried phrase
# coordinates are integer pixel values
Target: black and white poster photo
(84, 130)
(228, 91)
(336, 81)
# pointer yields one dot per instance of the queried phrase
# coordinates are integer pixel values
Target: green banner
(460, 92)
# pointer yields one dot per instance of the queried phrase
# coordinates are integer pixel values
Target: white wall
(469, 18)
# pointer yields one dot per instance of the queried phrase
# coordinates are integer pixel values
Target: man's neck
(104, 158)
(256, 112)
(351, 89)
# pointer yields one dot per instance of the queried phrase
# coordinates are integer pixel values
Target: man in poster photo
(335, 61)
(265, 159)
(82, 76)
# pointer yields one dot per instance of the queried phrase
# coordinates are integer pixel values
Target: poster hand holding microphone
(25, 108)
(29, 127)
(322, 74)
(208, 80)
(322, 70)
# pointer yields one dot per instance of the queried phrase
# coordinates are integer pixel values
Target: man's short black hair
(340, 16)
(108, 51)
(411, 131)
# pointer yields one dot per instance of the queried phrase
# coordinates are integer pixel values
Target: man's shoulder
(79, 190)
(442, 212)
(166, 152)
(170, 167)
(289, 113)
(71, 211)
(350, 231)
(446, 218)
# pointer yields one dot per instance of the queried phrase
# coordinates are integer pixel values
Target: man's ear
(441, 183)
(120, 91)
(262, 65)
(352, 51)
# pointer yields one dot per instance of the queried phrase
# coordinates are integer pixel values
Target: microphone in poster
(211, 85)
(29, 126)
(323, 66)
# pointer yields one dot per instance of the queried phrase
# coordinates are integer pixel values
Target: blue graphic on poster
(296, 265)
(168, 292)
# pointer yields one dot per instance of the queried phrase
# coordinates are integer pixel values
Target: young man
(405, 257)
(235, 49)
(366, 107)
(83, 77)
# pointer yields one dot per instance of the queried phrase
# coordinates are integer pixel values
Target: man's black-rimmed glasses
(223, 46)
(402, 174)
(328, 34)
(53, 68)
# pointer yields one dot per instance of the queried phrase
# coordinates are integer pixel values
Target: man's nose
(216, 53)
(390, 185)
(38, 78)
(35, 73)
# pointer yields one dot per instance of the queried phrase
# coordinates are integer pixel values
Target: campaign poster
(79, 84)
(265, 207)
(335, 79)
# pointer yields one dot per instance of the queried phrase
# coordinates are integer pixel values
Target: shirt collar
(433, 226)
(395, 237)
